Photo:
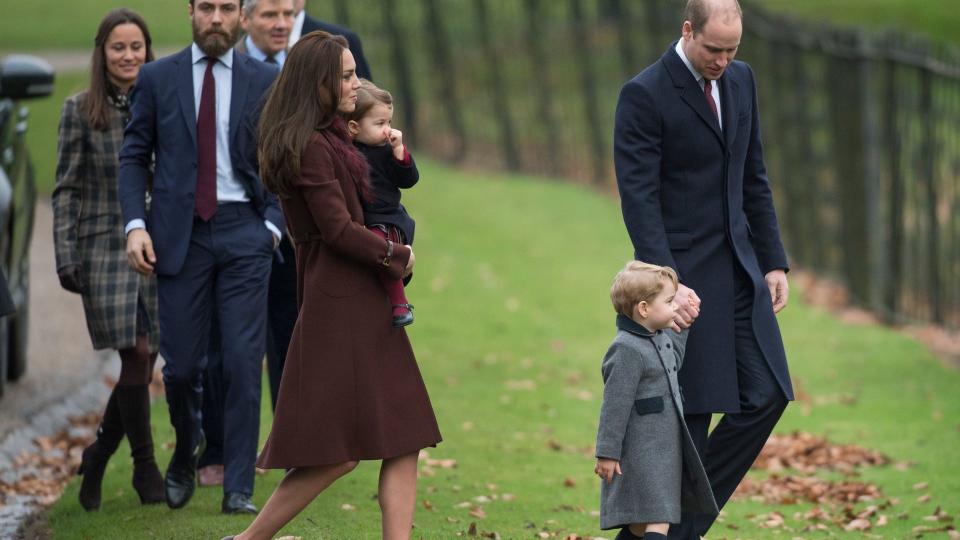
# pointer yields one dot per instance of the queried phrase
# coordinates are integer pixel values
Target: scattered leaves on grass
(478, 512)
(43, 471)
(569, 482)
(807, 453)
(791, 489)
(347, 507)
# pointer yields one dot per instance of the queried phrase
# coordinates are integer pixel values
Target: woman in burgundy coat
(351, 389)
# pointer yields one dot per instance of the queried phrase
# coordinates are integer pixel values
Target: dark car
(21, 77)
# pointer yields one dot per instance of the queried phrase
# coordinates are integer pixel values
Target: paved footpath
(65, 376)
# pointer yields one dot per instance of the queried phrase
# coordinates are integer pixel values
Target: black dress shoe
(227, 538)
(179, 485)
(181, 479)
(237, 503)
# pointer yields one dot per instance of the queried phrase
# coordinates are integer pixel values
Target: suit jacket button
(668, 345)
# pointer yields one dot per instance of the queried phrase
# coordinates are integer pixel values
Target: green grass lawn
(512, 321)
(937, 19)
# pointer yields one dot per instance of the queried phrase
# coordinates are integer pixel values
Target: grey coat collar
(629, 325)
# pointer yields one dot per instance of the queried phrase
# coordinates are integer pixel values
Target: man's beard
(215, 43)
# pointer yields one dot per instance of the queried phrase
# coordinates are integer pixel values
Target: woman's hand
(410, 262)
(70, 278)
(606, 468)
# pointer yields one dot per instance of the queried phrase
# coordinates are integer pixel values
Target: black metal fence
(861, 131)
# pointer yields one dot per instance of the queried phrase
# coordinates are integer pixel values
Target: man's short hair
(698, 13)
(241, 2)
(249, 6)
(639, 282)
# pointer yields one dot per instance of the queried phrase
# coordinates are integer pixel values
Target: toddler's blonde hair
(639, 282)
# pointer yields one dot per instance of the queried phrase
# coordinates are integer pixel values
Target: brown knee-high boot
(133, 397)
(95, 457)
(134, 405)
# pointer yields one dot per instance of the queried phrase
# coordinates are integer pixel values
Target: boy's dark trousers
(735, 443)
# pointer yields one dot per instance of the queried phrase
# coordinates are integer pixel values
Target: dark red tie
(206, 201)
(708, 93)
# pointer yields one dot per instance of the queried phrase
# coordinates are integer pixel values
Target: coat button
(668, 345)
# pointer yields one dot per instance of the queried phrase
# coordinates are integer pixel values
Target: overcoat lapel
(185, 93)
(690, 91)
(729, 92)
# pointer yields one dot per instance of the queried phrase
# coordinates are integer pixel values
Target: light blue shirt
(257, 54)
(228, 188)
(714, 88)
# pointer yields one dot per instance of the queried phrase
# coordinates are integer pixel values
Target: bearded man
(209, 233)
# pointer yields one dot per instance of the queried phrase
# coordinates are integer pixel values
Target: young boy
(650, 469)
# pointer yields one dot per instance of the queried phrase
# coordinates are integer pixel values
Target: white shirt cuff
(134, 224)
(273, 228)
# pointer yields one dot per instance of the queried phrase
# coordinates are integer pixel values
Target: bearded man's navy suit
(219, 265)
(695, 197)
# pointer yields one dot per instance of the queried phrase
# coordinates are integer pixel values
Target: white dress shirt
(714, 87)
(297, 29)
(228, 188)
(257, 54)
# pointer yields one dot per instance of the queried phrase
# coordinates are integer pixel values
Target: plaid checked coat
(88, 230)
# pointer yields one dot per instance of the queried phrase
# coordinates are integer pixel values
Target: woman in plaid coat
(120, 305)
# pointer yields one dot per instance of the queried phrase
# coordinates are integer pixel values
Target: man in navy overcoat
(696, 198)
(209, 234)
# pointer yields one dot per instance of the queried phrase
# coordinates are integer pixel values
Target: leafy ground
(512, 320)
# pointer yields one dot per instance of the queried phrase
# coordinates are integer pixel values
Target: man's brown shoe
(211, 475)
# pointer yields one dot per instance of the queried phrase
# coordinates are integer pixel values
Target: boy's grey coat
(641, 425)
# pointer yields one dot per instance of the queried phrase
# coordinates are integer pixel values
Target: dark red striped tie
(206, 198)
(708, 93)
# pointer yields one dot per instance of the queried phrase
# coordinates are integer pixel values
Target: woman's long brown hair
(304, 98)
(96, 104)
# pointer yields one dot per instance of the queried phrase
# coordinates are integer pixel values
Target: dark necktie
(271, 60)
(708, 93)
(206, 196)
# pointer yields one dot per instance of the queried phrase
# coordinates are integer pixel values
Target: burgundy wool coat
(351, 388)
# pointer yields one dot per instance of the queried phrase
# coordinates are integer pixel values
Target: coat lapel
(185, 93)
(729, 92)
(238, 99)
(689, 90)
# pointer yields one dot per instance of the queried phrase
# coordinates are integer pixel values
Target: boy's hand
(606, 468)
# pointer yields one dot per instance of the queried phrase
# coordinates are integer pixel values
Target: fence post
(443, 69)
(584, 61)
(870, 149)
(655, 28)
(928, 160)
(401, 66)
(848, 149)
(501, 108)
(805, 166)
(534, 41)
(896, 193)
(618, 14)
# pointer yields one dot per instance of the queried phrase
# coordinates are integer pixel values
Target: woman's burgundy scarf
(354, 161)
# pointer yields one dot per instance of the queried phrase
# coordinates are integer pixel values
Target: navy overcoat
(696, 198)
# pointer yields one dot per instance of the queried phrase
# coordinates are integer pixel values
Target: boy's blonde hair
(368, 95)
(639, 282)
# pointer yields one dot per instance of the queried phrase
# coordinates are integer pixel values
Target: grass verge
(512, 320)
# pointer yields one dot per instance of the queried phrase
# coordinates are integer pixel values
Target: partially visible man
(209, 235)
(696, 198)
(303, 24)
(267, 24)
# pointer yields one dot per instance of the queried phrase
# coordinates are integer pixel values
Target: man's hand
(779, 289)
(606, 468)
(140, 251)
(410, 262)
(688, 307)
(70, 278)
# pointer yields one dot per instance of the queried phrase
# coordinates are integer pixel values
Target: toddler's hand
(396, 138)
(606, 468)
